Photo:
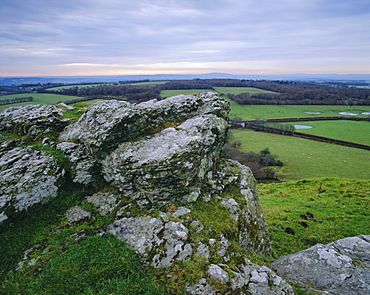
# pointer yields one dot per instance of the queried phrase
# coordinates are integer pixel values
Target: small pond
(348, 114)
(313, 113)
(302, 127)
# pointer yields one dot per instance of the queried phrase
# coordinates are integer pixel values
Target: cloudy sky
(109, 37)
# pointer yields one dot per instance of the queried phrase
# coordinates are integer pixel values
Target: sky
(118, 37)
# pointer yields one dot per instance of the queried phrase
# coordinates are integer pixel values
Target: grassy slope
(305, 158)
(316, 210)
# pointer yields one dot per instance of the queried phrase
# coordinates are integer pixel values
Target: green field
(238, 90)
(264, 112)
(355, 131)
(305, 158)
(39, 98)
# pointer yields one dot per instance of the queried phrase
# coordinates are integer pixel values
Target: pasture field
(315, 210)
(304, 158)
(39, 98)
(264, 112)
(238, 90)
(355, 131)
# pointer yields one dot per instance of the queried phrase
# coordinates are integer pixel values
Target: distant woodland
(282, 92)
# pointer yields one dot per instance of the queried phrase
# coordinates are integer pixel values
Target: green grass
(305, 158)
(264, 112)
(96, 265)
(238, 90)
(39, 98)
(316, 210)
(355, 131)
(169, 93)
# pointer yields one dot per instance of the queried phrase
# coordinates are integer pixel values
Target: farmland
(264, 112)
(354, 131)
(39, 98)
(305, 158)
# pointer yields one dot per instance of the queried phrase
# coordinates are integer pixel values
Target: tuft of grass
(303, 213)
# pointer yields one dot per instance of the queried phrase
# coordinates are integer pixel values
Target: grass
(303, 213)
(305, 158)
(39, 98)
(96, 265)
(355, 131)
(264, 112)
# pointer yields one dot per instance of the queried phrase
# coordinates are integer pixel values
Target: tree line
(15, 100)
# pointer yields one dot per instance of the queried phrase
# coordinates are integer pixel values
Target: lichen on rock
(27, 177)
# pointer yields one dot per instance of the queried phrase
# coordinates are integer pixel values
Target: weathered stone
(139, 232)
(76, 214)
(203, 250)
(84, 167)
(160, 243)
(104, 202)
(27, 177)
(341, 267)
(107, 124)
(202, 288)
(180, 212)
(260, 280)
(233, 207)
(32, 119)
(247, 211)
(217, 273)
(171, 166)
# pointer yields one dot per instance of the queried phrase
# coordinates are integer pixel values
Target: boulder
(27, 177)
(32, 120)
(106, 124)
(341, 267)
(171, 166)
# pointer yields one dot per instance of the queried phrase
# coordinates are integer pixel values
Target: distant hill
(159, 77)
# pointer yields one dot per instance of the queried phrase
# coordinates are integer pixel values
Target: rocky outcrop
(27, 177)
(32, 120)
(340, 268)
(171, 166)
(106, 124)
(155, 171)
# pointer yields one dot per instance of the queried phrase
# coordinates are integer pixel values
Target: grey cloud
(169, 31)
